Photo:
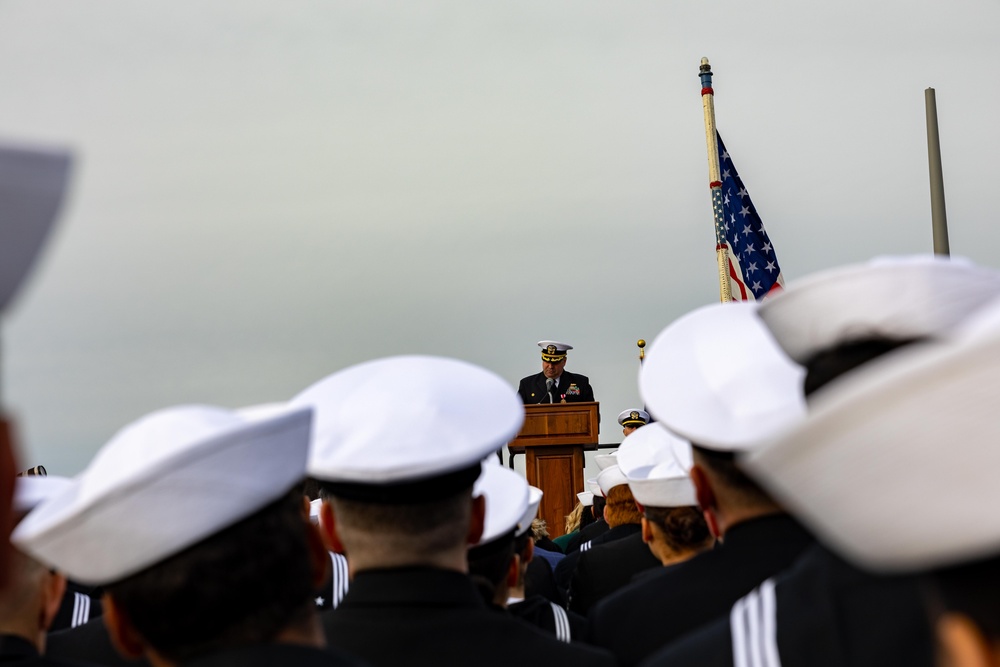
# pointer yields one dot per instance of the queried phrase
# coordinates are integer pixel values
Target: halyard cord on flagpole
(715, 180)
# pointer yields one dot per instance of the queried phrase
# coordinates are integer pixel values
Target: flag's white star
(746, 230)
(319, 601)
(725, 155)
(770, 268)
(750, 248)
(725, 200)
(752, 267)
(761, 229)
(767, 247)
(744, 212)
(725, 174)
(732, 217)
(742, 192)
(756, 287)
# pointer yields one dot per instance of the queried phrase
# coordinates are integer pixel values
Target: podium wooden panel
(553, 439)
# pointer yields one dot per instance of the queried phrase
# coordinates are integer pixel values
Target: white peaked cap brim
(656, 463)
(896, 466)
(896, 297)
(408, 418)
(717, 378)
(162, 484)
(604, 461)
(507, 499)
(534, 500)
(586, 498)
(30, 491)
(610, 478)
(561, 347)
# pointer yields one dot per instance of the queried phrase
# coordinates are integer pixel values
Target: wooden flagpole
(715, 180)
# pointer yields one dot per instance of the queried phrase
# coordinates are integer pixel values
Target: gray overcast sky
(267, 192)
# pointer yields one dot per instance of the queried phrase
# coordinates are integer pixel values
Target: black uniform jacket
(424, 616)
(88, 643)
(79, 604)
(275, 655)
(826, 612)
(586, 534)
(661, 606)
(567, 566)
(605, 568)
(576, 389)
(16, 650)
(538, 611)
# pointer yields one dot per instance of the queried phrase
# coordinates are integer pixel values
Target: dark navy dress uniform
(276, 655)
(605, 568)
(79, 605)
(425, 616)
(661, 606)
(89, 643)
(576, 389)
(18, 651)
(542, 613)
(567, 566)
(823, 612)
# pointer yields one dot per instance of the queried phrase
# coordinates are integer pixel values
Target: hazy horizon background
(267, 192)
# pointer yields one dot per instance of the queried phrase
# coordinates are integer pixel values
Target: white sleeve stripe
(739, 633)
(561, 621)
(339, 582)
(754, 628)
(81, 609)
(769, 626)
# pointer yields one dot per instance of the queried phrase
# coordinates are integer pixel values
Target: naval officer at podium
(554, 384)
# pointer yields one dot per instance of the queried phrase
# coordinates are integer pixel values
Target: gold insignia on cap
(634, 415)
(551, 349)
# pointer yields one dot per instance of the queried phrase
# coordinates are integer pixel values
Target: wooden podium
(553, 440)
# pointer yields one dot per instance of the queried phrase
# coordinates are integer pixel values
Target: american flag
(753, 266)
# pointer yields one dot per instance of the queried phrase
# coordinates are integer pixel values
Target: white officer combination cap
(919, 296)
(164, 483)
(895, 468)
(586, 498)
(432, 421)
(605, 461)
(534, 500)
(553, 350)
(717, 378)
(611, 477)
(633, 417)
(30, 491)
(656, 463)
(507, 499)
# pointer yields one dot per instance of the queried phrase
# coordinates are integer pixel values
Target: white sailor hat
(553, 350)
(586, 498)
(604, 461)
(432, 421)
(507, 500)
(907, 297)
(633, 417)
(162, 484)
(611, 477)
(534, 500)
(717, 378)
(656, 463)
(895, 467)
(30, 491)
(594, 487)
